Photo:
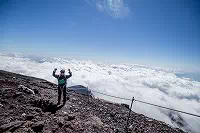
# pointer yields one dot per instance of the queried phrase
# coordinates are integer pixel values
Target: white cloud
(155, 85)
(114, 8)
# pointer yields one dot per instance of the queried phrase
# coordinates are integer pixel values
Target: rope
(113, 96)
(168, 108)
(149, 104)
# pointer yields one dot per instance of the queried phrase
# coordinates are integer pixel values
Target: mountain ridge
(24, 112)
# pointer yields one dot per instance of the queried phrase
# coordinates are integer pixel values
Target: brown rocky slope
(27, 104)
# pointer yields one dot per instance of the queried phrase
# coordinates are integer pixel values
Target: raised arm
(54, 73)
(70, 74)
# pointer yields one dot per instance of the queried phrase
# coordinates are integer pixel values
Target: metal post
(88, 95)
(129, 115)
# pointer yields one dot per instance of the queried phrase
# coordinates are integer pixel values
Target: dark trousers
(62, 89)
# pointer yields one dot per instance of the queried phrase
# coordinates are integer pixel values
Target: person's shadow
(54, 107)
(47, 106)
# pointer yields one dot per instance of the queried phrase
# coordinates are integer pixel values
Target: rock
(25, 89)
(73, 98)
(67, 98)
(149, 119)
(23, 114)
(28, 124)
(38, 126)
(17, 94)
(117, 130)
(1, 105)
(95, 121)
(36, 109)
(71, 117)
(29, 117)
(60, 121)
(67, 125)
(130, 127)
(112, 114)
(12, 126)
(64, 112)
(36, 91)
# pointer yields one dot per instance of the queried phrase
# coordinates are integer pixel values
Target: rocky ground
(27, 104)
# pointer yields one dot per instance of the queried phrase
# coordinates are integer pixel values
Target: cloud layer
(155, 85)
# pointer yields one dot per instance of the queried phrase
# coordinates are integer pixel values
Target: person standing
(62, 82)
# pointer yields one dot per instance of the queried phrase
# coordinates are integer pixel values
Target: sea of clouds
(154, 85)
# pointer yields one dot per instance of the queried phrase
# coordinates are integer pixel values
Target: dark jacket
(62, 79)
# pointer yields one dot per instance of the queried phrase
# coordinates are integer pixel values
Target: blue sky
(161, 33)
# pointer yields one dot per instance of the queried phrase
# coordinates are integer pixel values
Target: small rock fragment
(23, 114)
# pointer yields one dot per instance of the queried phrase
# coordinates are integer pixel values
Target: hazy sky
(162, 33)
